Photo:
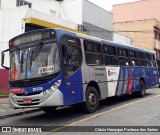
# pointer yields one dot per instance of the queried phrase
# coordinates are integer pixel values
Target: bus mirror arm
(2, 59)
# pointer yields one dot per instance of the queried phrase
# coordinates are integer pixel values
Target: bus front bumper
(43, 99)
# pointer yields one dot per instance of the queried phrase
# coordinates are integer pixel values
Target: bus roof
(107, 41)
(115, 44)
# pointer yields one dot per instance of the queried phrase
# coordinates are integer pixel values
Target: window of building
(159, 36)
(23, 2)
(155, 34)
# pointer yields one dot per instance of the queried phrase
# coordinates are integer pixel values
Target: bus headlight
(44, 93)
(57, 84)
(50, 90)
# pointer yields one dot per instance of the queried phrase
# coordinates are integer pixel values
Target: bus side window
(93, 53)
(110, 55)
(72, 59)
(132, 55)
(140, 59)
(71, 55)
(152, 61)
(123, 57)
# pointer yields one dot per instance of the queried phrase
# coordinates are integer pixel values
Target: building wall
(141, 31)
(97, 16)
(143, 9)
(64, 10)
(97, 21)
(96, 31)
(11, 25)
(122, 39)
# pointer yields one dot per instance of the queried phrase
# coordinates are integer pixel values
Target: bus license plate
(27, 101)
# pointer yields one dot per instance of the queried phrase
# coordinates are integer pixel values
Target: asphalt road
(116, 111)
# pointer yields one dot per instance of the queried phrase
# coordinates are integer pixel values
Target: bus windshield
(34, 62)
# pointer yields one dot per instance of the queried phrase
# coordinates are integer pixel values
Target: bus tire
(142, 89)
(49, 110)
(92, 100)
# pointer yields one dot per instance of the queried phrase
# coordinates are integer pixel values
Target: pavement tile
(6, 111)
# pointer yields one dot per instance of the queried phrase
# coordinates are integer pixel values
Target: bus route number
(37, 89)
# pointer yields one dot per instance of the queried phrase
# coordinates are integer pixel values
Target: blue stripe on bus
(73, 92)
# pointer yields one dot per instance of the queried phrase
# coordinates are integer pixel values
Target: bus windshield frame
(38, 57)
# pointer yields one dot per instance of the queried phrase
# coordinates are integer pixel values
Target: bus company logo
(111, 73)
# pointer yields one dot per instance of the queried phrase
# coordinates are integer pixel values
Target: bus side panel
(126, 82)
(98, 75)
(120, 82)
(73, 92)
(126, 77)
(151, 77)
(136, 72)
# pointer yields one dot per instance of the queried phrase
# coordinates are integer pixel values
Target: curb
(19, 113)
(3, 96)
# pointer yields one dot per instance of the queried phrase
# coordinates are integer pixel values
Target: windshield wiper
(35, 52)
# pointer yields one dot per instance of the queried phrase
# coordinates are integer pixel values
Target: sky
(107, 4)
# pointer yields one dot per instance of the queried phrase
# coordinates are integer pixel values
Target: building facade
(139, 20)
(122, 39)
(97, 21)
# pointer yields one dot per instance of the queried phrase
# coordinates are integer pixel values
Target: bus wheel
(49, 110)
(142, 89)
(92, 100)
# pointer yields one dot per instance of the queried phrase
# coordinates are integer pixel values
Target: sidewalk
(6, 111)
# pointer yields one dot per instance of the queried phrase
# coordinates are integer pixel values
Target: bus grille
(32, 82)
(34, 102)
(27, 84)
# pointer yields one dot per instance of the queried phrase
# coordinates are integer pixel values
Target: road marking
(101, 113)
